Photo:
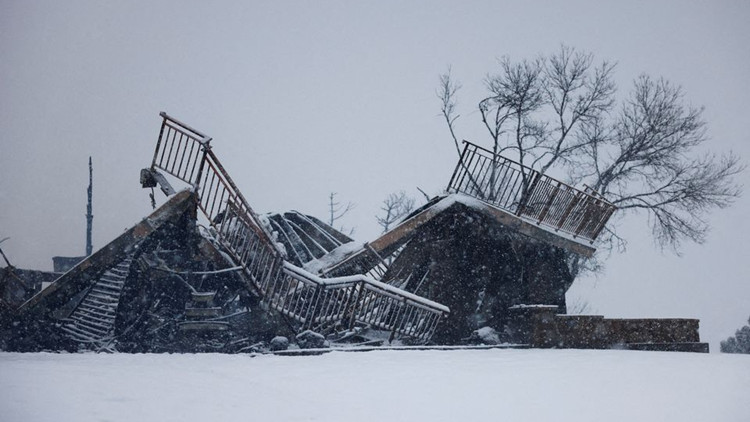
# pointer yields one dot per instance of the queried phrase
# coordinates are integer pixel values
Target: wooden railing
(528, 194)
(314, 302)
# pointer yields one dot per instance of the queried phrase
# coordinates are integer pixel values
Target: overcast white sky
(306, 98)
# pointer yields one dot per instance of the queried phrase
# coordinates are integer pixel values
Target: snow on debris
(523, 306)
(479, 205)
(335, 256)
(351, 279)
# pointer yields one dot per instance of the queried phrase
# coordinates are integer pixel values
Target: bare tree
(395, 207)
(447, 94)
(560, 113)
(535, 107)
(426, 197)
(336, 211)
(648, 158)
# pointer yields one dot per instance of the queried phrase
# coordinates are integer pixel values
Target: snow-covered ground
(471, 385)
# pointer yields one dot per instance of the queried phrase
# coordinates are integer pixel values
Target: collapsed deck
(316, 278)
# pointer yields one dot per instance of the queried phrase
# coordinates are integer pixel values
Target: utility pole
(89, 216)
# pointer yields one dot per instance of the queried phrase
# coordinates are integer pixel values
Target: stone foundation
(541, 326)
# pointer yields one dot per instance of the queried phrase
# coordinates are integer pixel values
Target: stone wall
(541, 326)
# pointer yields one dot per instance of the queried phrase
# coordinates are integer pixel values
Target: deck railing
(314, 302)
(528, 194)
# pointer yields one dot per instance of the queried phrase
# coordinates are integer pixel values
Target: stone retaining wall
(541, 326)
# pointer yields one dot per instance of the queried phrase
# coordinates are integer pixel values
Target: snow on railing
(529, 194)
(316, 303)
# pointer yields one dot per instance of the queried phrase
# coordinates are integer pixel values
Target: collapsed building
(487, 262)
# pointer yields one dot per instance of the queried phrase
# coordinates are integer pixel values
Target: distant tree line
(740, 343)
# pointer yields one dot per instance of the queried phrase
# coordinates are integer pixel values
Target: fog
(308, 98)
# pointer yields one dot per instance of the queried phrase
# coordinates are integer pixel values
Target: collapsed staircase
(313, 302)
(93, 320)
(530, 202)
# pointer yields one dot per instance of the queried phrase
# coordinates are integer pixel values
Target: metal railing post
(560, 206)
(202, 164)
(158, 141)
(458, 166)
